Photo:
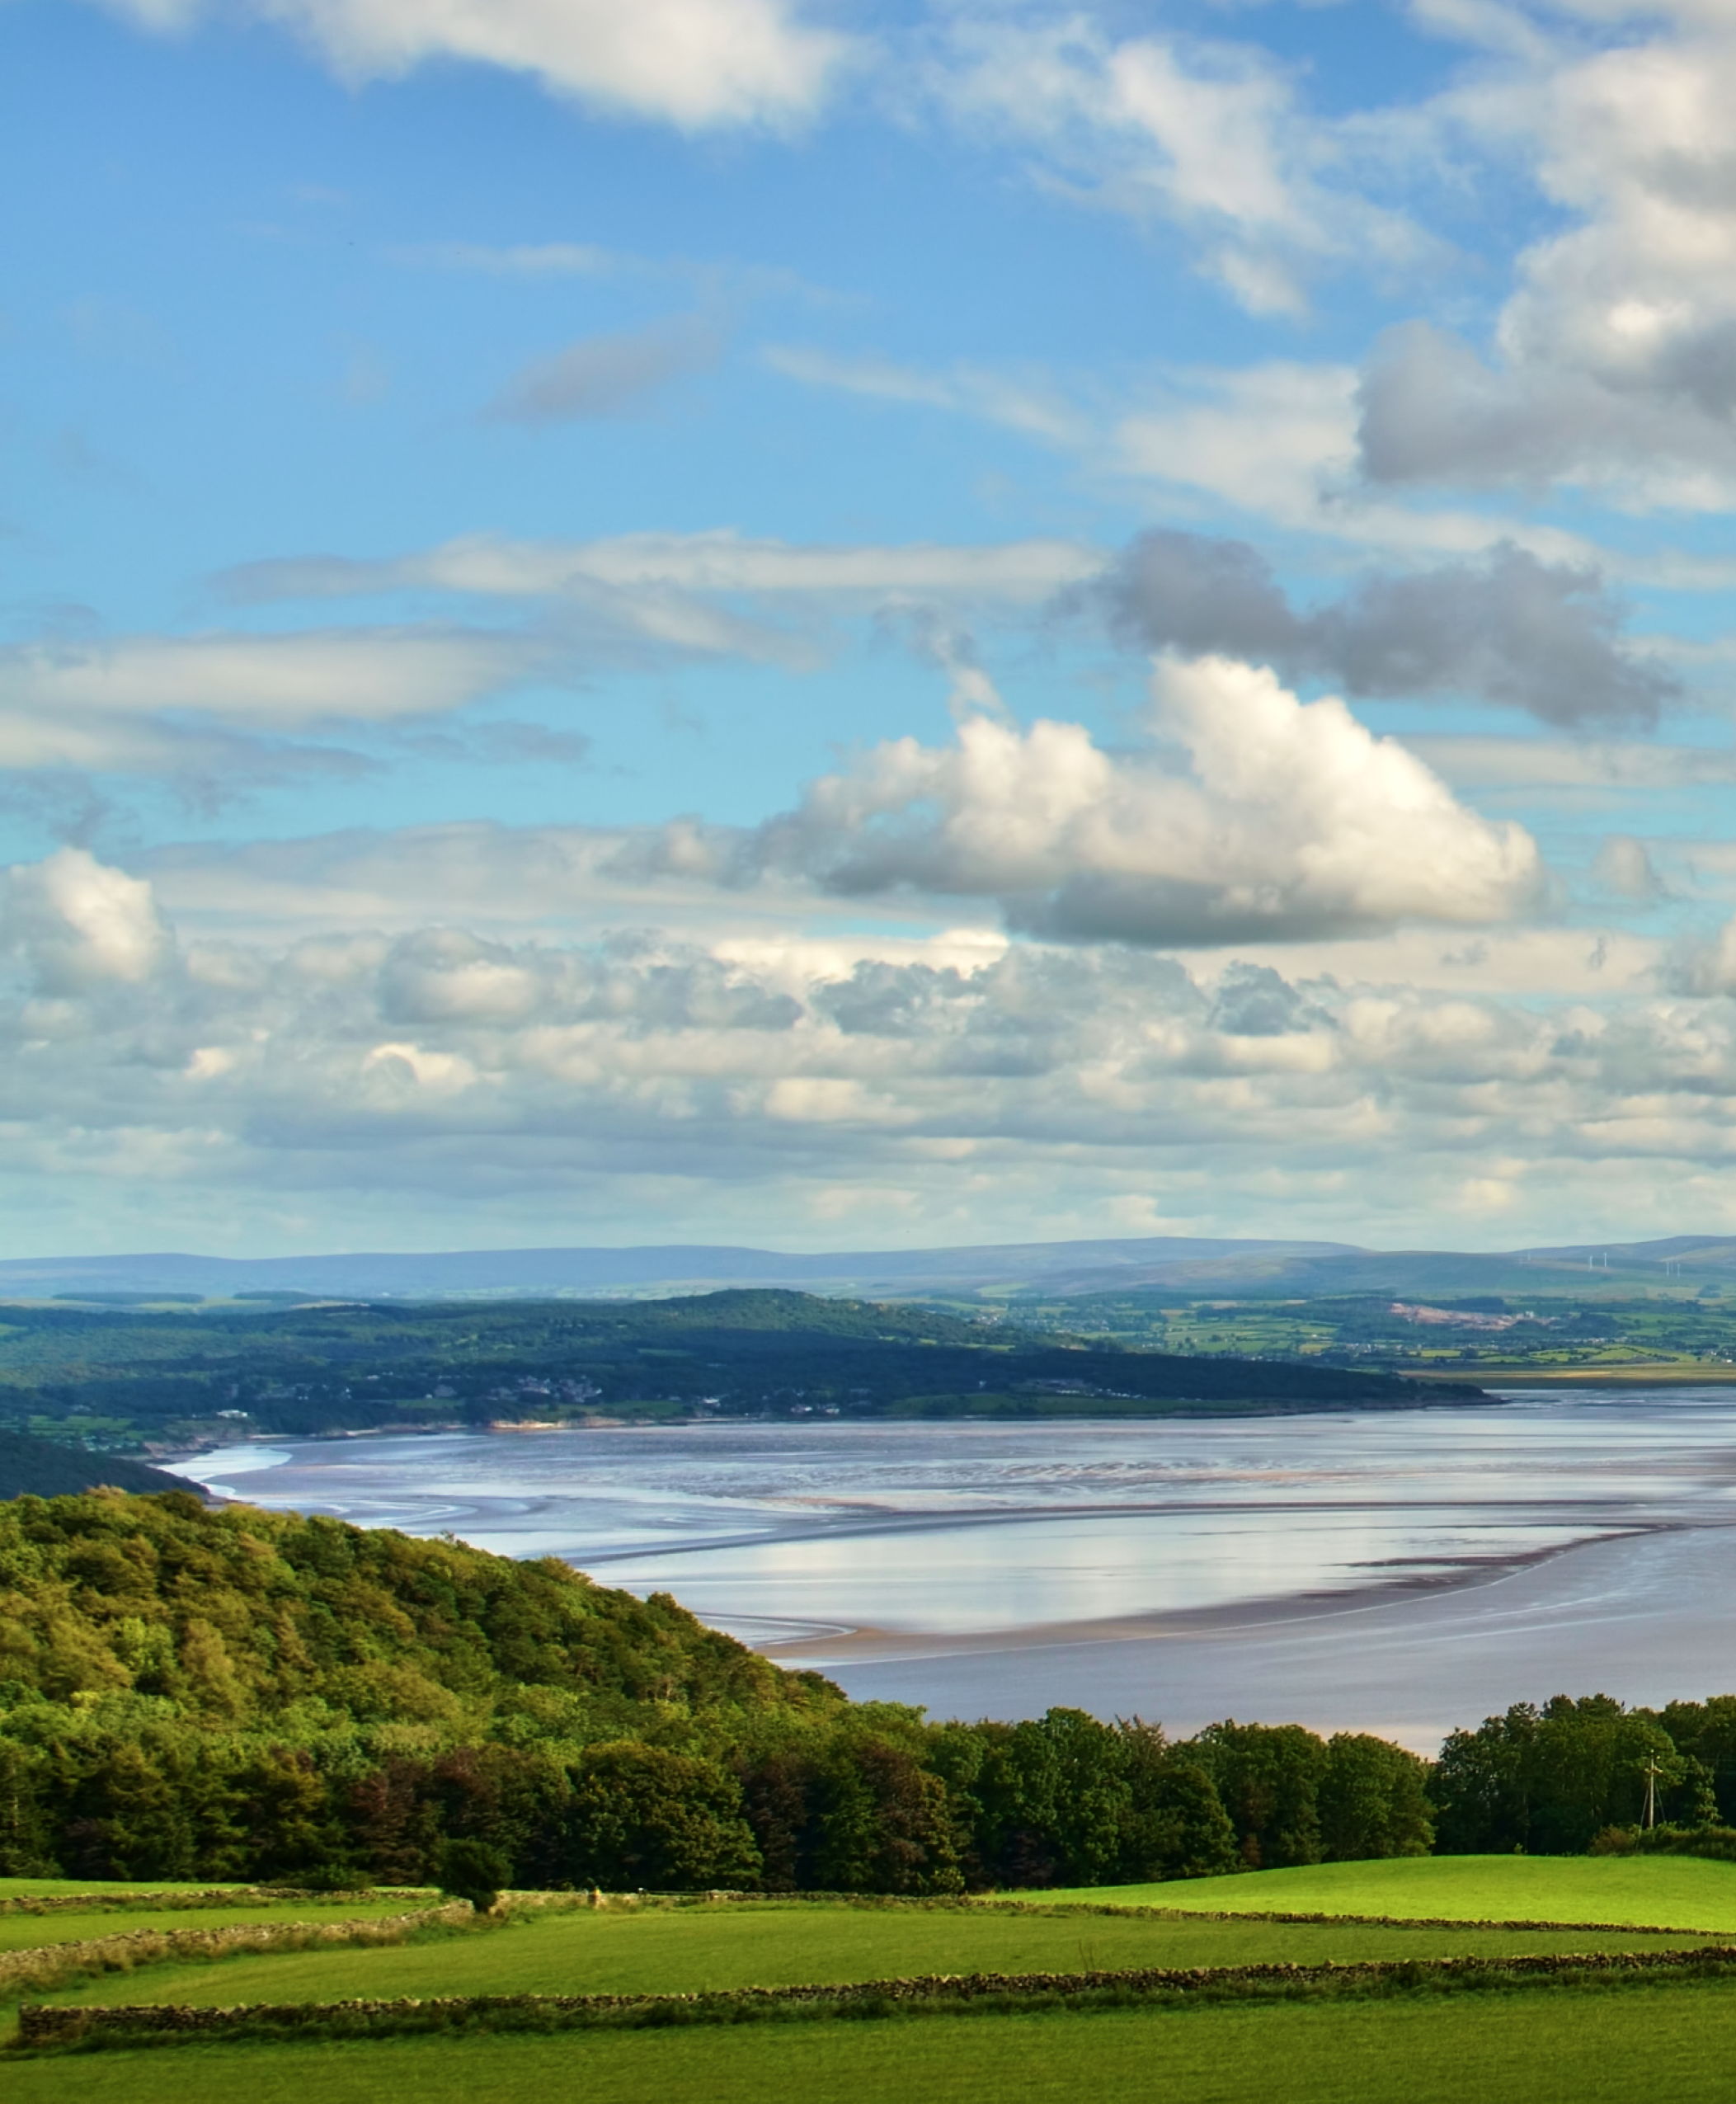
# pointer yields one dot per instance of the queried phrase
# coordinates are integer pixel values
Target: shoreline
(868, 1645)
(1641, 1615)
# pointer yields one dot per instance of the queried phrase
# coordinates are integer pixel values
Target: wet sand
(1402, 1573)
(1647, 1617)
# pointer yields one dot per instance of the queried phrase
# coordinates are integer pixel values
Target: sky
(846, 626)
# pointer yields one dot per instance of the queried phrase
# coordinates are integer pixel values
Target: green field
(690, 1950)
(1584, 2042)
(1579, 2047)
(1646, 1891)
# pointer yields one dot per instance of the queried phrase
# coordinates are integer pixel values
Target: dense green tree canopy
(191, 1692)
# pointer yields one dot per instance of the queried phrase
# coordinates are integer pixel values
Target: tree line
(877, 1800)
(190, 1693)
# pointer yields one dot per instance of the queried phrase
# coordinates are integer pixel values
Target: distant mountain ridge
(1185, 1265)
(656, 1269)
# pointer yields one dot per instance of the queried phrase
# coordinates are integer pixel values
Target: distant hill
(199, 1374)
(1183, 1264)
(44, 1468)
(599, 1273)
(1615, 1268)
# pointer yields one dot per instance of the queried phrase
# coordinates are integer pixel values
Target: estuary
(1401, 1573)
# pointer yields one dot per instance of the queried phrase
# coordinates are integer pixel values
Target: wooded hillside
(187, 1692)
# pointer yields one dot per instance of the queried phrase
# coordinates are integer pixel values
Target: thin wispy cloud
(609, 375)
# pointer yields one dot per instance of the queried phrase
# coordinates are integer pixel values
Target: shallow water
(934, 1531)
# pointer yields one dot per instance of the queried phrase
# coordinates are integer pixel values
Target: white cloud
(718, 562)
(1624, 867)
(505, 1086)
(264, 683)
(1270, 439)
(695, 63)
(79, 924)
(1281, 442)
(1472, 761)
(1611, 363)
(1207, 135)
(1028, 402)
(1295, 821)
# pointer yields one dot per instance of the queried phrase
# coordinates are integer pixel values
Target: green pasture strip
(1677, 2041)
(695, 1951)
(30, 1931)
(1645, 1891)
(46, 2027)
(34, 1973)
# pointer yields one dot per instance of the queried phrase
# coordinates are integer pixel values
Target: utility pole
(1652, 1771)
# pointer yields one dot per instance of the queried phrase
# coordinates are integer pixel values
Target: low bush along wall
(47, 1966)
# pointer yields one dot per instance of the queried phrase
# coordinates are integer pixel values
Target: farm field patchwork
(685, 1950)
(1584, 2042)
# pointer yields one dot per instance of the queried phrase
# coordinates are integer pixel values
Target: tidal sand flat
(1397, 1574)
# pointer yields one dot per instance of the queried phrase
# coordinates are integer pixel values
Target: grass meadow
(1584, 2042)
(1646, 1891)
(1576, 2047)
(694, 1949)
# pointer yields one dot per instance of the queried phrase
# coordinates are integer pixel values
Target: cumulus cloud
(614, 376)
(696, 63)
(1509, 629)
(1624, 867)
(1253, 1000)
(1293, 821)
(1612, 363)
(610, 1081)
(1705, 965)
(78, 924)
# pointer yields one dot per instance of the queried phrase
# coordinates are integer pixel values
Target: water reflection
(775, 1530)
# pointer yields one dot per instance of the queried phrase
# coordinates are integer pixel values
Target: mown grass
(1657, 1891)
(1579, 2047)
(689, 1951)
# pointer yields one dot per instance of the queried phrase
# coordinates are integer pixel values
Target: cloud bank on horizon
(792, 621)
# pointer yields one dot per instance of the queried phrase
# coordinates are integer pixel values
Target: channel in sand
(1402, 1572)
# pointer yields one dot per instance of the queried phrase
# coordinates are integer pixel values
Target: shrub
(472, 1871)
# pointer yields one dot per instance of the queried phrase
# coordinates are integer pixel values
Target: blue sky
(834, 626)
